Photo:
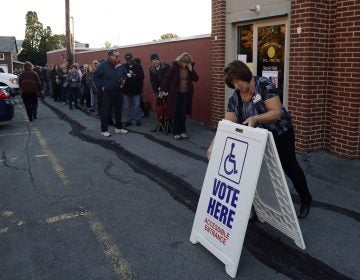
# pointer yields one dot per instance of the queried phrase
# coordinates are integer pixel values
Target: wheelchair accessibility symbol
(230, 158)
(233, 159)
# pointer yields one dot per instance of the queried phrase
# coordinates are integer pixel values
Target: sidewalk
(332, 180)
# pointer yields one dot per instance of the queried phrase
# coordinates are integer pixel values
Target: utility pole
(69, 57)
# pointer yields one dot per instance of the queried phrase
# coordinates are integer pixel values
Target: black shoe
(138, 123)
(35, 117)
(128, 124)
(304, 211)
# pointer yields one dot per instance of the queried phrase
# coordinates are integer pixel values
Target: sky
(121, 22)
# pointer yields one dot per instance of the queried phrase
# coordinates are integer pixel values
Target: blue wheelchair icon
(230, 162)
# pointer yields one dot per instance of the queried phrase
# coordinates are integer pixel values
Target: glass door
(262, 46)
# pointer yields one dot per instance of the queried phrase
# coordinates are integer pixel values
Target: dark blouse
(264, 89)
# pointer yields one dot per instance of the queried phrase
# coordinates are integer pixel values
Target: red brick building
(169, 50)
(311, 49)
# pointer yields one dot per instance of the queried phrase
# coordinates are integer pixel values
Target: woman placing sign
(256, 103)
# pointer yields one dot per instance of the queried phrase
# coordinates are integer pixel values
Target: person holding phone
(178, 83)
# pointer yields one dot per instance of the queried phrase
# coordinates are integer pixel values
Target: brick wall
(8, 61)
(324, 75)
(217, 61)
(198, 47)
(345, 123)
(311, 61)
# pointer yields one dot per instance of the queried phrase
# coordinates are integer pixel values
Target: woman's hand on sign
(250, 121)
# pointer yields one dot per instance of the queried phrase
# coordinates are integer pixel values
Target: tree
(168, 36)
(33, 31)
(38, 41)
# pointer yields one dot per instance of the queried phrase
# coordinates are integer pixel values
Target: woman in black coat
(178, 83)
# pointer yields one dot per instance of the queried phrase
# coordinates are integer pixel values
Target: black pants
(285, 144)
(31, 104)
(86, 96)
(111, 100)
(182, 105)
(73, 96)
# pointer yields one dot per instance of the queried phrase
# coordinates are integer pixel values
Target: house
(8, 53)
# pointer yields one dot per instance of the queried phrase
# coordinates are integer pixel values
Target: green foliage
(39, 40)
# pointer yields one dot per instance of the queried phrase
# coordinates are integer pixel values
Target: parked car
(6, 105)
(11, 81)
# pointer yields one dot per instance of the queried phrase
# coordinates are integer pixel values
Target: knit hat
(154, 56)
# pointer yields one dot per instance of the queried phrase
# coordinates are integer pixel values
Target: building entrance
(262, 46)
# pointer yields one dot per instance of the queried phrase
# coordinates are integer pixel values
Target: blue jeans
(47, 88)
(132, 108)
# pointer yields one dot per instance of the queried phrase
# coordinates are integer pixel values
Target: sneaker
(128, 123)
(105, 133)
(120, 130)
(177, 137)
(184, 135)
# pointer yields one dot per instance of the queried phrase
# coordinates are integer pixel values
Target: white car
(10, 80)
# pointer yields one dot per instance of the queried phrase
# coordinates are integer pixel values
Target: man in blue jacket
(109, 78)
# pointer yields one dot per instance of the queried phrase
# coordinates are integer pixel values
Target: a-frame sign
(232, 185)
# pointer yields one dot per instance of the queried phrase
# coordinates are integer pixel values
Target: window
(262, 46)
(2, 56)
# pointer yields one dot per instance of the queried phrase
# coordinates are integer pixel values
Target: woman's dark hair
(237, 70)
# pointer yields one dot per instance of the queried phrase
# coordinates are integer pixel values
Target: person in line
(30, 87)
(87, 85)
(178, 82)
(64, 84)
(55, 82)
(157, 72)
(256, 103)
(132, 90)
(143, 106)
(108, 78)
(74, 81)
(94, 92)
(46, 80)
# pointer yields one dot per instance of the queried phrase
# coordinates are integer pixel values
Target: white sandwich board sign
(231, 187)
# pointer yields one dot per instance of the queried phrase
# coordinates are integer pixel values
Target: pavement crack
(7, 164)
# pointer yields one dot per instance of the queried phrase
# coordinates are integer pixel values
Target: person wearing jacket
(109, 77)
(74, 81)
(178, 83)
(157, 72)
(30, 87)
(132, 90)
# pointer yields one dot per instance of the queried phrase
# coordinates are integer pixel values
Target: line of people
(255, 102)
(172, 86)
(104, 88)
